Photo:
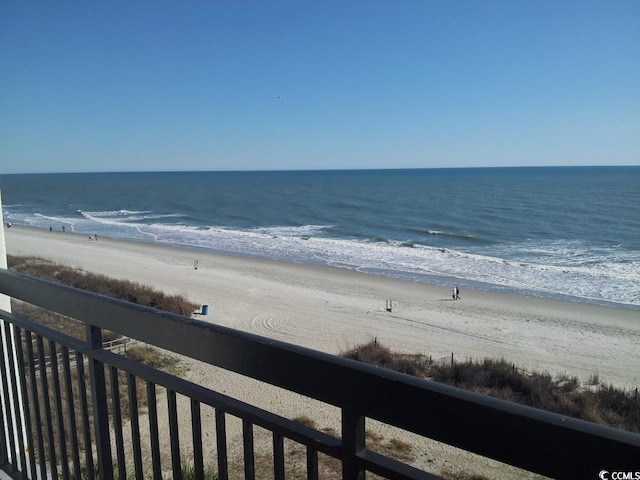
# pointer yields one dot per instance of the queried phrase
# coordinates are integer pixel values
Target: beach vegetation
(564, 394)
(155, 358)
(92, 282)
(306, 421)
(188, 472)
(449, 475)
(187, 469)
(374, 353)
(120, 289)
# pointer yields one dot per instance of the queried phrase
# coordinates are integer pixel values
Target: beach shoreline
(331, 309)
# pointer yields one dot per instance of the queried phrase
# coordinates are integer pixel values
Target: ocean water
(570, 233)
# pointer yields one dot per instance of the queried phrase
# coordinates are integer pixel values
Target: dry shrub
(565, 394)
(374, 353)
(101, 284)
(306, 421)
(448, 475)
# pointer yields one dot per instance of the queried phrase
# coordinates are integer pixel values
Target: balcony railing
(47, 435)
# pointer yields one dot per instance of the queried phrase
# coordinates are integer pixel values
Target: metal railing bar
(174, 440)
(152, 408)
(135, 425)
(353, 443)
(5, 463)
(278, 456)
(196, 431)
(7, 454)
(100, 404)
(46, 397)
(117, 422)
(71, 413)
(34, 400)
(36, 404)
(4, 451)
(84, 412)
(24, 392)
(46, 332)
(312, 464)
(249, 453)
(221, 444)
(390, 468)
(307, 436)
(57, 400)
(7, 414)
(17, 396)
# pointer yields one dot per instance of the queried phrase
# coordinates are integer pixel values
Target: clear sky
(263, 85)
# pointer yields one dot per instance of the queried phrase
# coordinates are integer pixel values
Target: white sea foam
(557, 269)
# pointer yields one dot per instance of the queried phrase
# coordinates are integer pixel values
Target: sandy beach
(331, 309)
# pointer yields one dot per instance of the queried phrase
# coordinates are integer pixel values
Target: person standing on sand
(457, 293)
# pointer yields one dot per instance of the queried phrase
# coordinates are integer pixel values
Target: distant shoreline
(438, 281)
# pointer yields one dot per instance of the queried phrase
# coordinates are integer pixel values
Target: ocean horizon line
(337, 170)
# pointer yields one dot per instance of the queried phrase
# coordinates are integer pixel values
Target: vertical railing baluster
(221, 444)
(353, 442)
(196, 430)
(71, 412)
(249, 454)
(36, 403)
(135, 426)
(57, 400)
(117, 422)
(8, 444)
(46, 396)
(100, 406)
(173, 434)
(84, 411)
(153, 430)
(28, 433)
(19, 450)
(4, 449)
(278, 456)
(312, 464)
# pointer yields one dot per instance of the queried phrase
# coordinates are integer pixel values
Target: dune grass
(567, 395)
(121, 289)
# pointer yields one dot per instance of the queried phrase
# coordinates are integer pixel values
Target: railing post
(353, 442)
(100, 408)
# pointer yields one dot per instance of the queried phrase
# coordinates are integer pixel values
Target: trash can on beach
(205, 309)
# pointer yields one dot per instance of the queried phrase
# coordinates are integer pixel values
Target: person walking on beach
(457, 293)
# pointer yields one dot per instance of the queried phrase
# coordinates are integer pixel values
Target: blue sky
(262, 85)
